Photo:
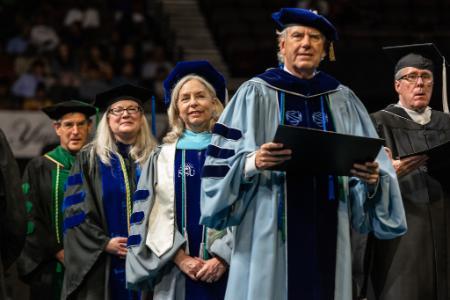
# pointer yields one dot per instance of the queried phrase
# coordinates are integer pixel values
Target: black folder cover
(317, 152)
(439, 156)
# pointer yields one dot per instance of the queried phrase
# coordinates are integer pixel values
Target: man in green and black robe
(41, 263)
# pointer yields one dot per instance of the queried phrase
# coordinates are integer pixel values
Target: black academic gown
(37, 264)
(414, 266)
(87, 274)
(12, 211)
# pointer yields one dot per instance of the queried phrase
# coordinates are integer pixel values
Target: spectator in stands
(39, 100)
(73, 35)
(23, 62)
(99, 55)
(65, 69)
(84, 18)
(26, 84)
(66, 87)
(94, 82)
(292, 238)
(138, 12)
(128, 55)
(153, 61)
(129, 17)
(42, 35)
(19, 43)
(127, 74)
(87, 16)
(64, 60)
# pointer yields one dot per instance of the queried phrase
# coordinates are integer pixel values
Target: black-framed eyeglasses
(118, 111)
(413, 77)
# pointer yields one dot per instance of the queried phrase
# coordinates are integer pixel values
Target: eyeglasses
(69, 124)
(118, 111)
(413, 77)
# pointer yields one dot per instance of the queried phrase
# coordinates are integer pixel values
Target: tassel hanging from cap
(331, 54)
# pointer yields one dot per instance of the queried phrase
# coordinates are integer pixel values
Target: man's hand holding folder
(305, 150)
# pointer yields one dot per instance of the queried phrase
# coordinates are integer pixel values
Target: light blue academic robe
(258, 264)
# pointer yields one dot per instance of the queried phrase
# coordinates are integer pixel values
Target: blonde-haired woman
(98, 202)
(173, 255)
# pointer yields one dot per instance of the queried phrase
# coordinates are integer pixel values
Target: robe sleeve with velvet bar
(258, 205)
(414, 266)
(158, 236)
(94, 212)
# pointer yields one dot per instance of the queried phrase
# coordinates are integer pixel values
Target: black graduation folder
(316, 152)
(439, 156)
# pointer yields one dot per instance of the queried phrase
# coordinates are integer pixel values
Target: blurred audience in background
(55, 51)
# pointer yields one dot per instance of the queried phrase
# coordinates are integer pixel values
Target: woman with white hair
(98, 202)
(174, 256)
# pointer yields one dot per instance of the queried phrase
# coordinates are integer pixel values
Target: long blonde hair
(176, 124)
(104, 143)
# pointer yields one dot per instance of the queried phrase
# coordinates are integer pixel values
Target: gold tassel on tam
(331, 54)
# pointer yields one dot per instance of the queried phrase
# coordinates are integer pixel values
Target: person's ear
(397, 85)
(282, 47)
(57, 127)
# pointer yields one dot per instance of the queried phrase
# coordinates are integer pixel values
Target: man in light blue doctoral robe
(255, 200)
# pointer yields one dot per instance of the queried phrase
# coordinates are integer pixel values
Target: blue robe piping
(321, 83)
(114, 201)
(309, 213)
(187, 169)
